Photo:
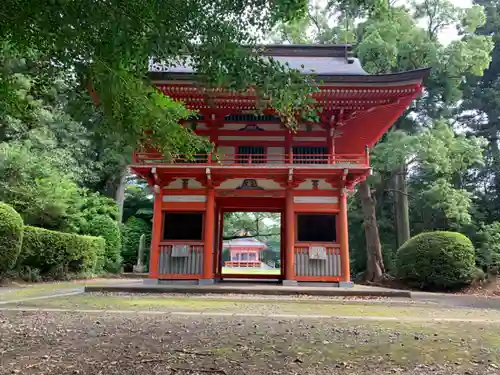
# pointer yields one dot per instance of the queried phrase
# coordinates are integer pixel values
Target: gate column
(208, 247)
(345, 280)
(154, 254)
(289, 240)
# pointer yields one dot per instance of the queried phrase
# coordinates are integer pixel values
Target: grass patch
(28, 290)
(312, 307)
(36, 290)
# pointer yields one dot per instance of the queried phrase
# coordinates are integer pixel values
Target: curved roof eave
(394, 78)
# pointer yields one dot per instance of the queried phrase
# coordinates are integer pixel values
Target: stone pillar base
(206, 281)
(346, 284)
(290, 283)
(138, 268)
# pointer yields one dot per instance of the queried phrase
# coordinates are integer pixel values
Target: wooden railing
(253, 160)
(243, 263)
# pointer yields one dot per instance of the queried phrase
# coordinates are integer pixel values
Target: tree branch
(400, 192)
(226, 238)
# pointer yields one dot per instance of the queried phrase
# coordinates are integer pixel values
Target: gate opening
(251, 245)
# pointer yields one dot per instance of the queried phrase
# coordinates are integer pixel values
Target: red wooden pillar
(290, 239)
(344, 239)
(219, 241)
(154, 255)
(208, 248)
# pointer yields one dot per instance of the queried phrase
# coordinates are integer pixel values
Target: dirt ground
(125, 334)
(48, 342)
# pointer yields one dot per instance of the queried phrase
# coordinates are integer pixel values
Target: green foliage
(49, 251)
(138, 201)
(107, 46)
(39, 192)
(262, 225)
(107, 228)
(11, 237)
(437, 157)
(440, 260)
(488, 248)
(131, 234)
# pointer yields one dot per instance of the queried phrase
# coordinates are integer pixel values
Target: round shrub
(11, 237)
(107, 228)
(436, 260)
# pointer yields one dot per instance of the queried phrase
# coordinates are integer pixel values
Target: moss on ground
(400, 344)
(108, 343)
(264, 307)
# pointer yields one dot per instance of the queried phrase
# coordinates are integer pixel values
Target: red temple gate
(259, 165)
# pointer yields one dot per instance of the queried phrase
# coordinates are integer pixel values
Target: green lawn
(250, 271)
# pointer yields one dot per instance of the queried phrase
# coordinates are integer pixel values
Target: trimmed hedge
(11, 237)
(107, 228)
(46, 250)
(440, 260)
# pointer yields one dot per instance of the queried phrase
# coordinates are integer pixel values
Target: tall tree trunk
(401, 210)
(375, 264)
(115, 188)
(120, 195)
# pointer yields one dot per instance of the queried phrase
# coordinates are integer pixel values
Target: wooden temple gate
(259, 165)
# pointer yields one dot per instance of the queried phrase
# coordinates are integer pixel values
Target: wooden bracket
(208, 173)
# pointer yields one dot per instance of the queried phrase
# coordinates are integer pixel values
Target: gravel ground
(77, 343)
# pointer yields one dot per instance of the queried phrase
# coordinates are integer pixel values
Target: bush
(107, 228)
(11, 237)
(132, 231)
(440, 260)
(57, 253)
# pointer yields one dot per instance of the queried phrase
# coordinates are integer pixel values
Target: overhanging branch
(228, 238)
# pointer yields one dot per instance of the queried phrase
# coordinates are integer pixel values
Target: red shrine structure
(244, 252)
(259, 165)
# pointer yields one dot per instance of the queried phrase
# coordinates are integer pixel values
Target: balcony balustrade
(245, 160)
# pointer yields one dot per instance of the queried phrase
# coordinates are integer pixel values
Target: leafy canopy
(106, 46)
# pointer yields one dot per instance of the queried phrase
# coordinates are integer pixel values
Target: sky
(449, 34)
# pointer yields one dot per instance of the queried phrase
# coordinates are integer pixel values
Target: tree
(438, 160)
(480, 113)
(409, 46)
(391, 39)
(105, 48)
(264, 226)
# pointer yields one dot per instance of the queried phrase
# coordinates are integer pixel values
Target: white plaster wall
(311, 139)
(184, 198)
(177, 184)
(307, 200)
(322, 185)
(246, 137)
(263, 183)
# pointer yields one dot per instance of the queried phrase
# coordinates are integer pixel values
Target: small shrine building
(262, 166)
(244, 252)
